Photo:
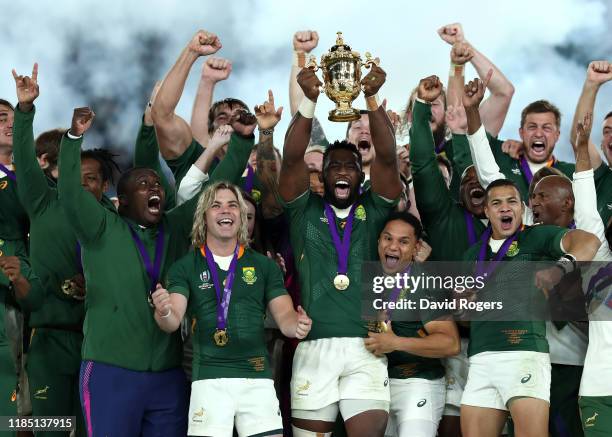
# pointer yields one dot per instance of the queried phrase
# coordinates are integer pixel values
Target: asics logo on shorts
(303, 388)
(198, 415)
(591, 420)
(525, 379)
(421, 403)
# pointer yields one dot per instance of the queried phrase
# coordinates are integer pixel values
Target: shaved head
(552, 201)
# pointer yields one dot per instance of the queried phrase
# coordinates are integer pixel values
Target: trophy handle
(312, 63)
(370, 61)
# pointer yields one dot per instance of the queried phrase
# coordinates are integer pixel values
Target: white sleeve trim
(483, 159)
(191, 184)
(586, 216)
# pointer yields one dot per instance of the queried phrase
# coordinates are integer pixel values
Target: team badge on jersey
(516, 171)
(360, 213)
(256, 195)
(3, 185)
(513, 250)
(205, 278)
(248, 275)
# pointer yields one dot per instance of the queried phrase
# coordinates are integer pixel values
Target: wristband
(307, 107)
(567, 263)
(372, 102)
(73, 137)
(299, 59)
(267, 132)
(425, 102)
(456, 70)
(165, 316)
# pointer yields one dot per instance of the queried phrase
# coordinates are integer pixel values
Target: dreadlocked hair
(106, 159)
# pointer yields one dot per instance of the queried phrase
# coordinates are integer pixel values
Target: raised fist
(461, 53)
(372, 82)
(451, 33)
(474, 91)
(267, 115)
(221, 136)
(599, 72)
(429, 88)
(81, 121)
(243, 123)
(27, 87)
(513, 148)
(309, 82)
(305, 41)
(216, 69)
(204, 43)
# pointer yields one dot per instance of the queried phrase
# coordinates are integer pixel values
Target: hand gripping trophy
(342, 78)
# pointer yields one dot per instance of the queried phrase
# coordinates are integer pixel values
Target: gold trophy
(342, 78)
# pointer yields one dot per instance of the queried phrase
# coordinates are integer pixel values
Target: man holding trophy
(331, 237)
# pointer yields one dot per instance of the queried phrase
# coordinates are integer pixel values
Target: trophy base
(340, 115)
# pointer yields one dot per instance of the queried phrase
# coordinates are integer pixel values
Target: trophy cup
(342, 78)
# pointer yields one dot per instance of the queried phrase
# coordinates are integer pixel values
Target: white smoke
(112, 52)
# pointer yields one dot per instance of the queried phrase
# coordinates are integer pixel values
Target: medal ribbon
(79, 262)
(469, 223)
(223, 301)
(153, 268)
(9, 173)
(527, 171)
(396, 292)
(342, 247)
(440, 147)
(481, 269)
(248, 184)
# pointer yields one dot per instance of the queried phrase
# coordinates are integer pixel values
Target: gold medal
(341, 282)
(220, 337)
(68, 288)
(381, 327)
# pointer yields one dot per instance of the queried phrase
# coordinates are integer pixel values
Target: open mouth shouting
(477, 195)
(225, 222)
(342, 189)
(364, 146)
(391, 261)
(154, 204)
(506, 222)
(538, 149)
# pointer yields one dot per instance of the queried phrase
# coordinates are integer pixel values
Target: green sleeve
(461, 157)
(432, 197)
(549, 238)
(146, 154)
(178, 278)
(598, 174)
(32, 187)
(35, 298)
(229, 169)
(84, 212)
(275, 285)
(179, 166)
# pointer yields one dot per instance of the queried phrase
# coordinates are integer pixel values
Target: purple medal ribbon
(153, 268)
(603, 272)
(440, 147)
(396, 292)
(79, 262)
(525, 169)
(481, 270)
(248, 184)
(342, 247)
(222, 301)
(572, 225)
(9, 173)
(469, 223)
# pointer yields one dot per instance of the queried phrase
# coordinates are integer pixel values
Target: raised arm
(173, 133)
(32, 187)
(384, 174)
(598, 73)
(146, 150)
(294, 179)
(214, 70)
(85, 213)
(303, 43)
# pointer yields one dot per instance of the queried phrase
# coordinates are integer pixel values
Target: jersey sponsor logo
(3, 185)
(513, 250)
(421, 403)
(248, 275)
(516, 171)
(323, 219)
(41, 393)
(525, 379)
(198, 415)
(360, 213)
(301, 389)
(205, 278)
(590, 421)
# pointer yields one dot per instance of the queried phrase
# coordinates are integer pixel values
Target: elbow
(505, 92)
(158, 114)
(454, 348)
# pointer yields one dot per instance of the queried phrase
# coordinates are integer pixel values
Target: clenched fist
(474, 91)
(216, 69)
(429, 88)
(372, 82)
(81, 121)
(461, 53)
(204, 43)
(305, 41)
(451, 33)
(309, 82)
(599, 72)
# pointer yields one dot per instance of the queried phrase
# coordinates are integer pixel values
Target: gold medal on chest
(220, 337)
(341, 282)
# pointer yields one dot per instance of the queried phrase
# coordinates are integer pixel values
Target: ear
(486, 212)
(43, 162)
(521, 134)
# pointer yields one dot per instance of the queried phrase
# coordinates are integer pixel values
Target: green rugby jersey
(257, 281)
(146, 154)
(443, 219)
(119, 327)
(334, 313)
(536, 243)
(603, 187)
(13, 218)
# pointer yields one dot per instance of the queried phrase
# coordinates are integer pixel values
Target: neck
(564, 220)
(221, 246)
